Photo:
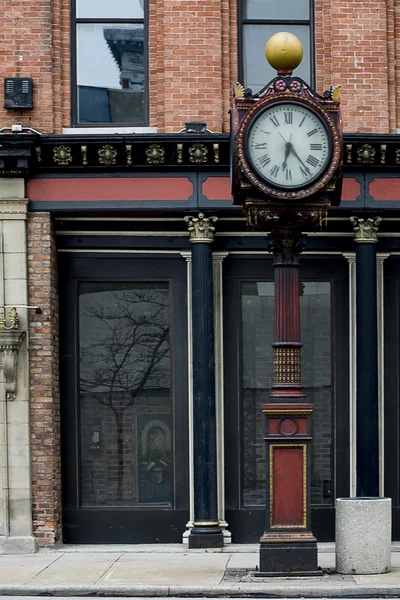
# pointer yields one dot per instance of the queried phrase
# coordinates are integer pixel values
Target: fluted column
(367, 356)
(287, 545)
(206, 531)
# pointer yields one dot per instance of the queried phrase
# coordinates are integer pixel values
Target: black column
(367, 358)
(206, 531)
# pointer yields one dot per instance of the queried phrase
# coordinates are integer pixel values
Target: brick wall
(34, 42)
(354, 44)
(193, 60)
(44, 380)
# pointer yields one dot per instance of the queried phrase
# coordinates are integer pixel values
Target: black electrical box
(18, 92)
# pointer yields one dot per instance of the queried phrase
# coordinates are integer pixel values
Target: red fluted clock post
(287, 544)
(286, 172)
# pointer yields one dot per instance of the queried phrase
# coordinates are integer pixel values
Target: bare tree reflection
(124, 349)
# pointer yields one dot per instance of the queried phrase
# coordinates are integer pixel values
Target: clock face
(288, 145)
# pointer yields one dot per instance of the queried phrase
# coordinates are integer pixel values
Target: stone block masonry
(44, 380)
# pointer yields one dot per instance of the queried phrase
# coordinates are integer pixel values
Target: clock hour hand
(287, 152)
(293, 151)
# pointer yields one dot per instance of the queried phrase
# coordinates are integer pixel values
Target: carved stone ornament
(201, 228)
(198, 153)
(365, 229)
(14, 319)
(155, 154)
(62, 155)
(10, 342)
(366, 155)
(107, 155)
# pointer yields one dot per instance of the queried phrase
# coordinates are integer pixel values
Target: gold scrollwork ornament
(366, 154)
(155, 154)
(107, 155)
(62, 155)
(198, 153)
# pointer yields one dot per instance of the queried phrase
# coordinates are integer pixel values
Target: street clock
(286, 140)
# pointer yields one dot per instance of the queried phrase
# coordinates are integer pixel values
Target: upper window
(260, 20)
(110, 62)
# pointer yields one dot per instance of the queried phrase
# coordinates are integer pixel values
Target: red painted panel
(288, 502)
(273, 426)
(385, 188)
(109, 188)
(351, 188)
(273, 423)
(217, 188)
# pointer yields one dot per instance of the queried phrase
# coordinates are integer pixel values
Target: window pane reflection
(110, 73)
(257, 360)
(104, 9)
(125, 399)
(257, 71)
(271, 9)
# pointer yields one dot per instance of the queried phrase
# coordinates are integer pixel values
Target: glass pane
(257, 71)
(125, 399)
(110, 73)
(104, 9)
(257, 360)
(271, 9)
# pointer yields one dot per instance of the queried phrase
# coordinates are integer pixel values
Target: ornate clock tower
(286, 172)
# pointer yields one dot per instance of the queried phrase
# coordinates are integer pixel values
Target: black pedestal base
(288, 559)
(206, 539)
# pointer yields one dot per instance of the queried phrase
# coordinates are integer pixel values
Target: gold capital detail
(201, 228)
(365, 229)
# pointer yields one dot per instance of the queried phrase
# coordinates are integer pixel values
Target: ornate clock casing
(286, 148)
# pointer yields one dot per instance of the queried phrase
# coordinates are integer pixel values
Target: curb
(236, 591)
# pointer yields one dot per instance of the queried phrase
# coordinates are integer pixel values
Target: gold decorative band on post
(13, 316)
(206, 524)
(287, 365)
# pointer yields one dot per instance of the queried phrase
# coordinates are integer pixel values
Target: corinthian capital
(201, 228)
(365, 230)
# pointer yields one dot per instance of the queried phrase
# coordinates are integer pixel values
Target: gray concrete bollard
(363, 535)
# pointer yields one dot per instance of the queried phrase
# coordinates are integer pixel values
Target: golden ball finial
(284, 52)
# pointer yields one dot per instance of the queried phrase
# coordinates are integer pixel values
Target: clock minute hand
(293, 151)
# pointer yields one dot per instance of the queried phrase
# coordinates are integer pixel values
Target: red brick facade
(44, 380)
(193, 61)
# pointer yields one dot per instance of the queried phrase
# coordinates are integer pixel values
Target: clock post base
(295, 558)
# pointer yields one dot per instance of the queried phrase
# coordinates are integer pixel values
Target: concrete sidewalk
(173, 570)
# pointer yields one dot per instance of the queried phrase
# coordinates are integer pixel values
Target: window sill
(107, 130)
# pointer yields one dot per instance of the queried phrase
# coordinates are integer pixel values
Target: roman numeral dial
(288, 145)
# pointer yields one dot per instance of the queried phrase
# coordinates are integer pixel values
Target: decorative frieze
(22, 153)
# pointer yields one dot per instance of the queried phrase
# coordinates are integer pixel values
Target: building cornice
(28, 155)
